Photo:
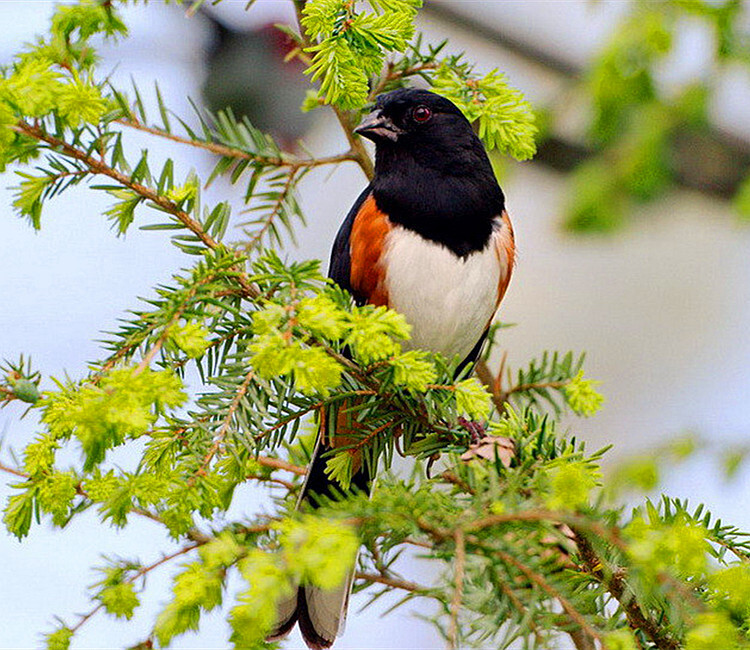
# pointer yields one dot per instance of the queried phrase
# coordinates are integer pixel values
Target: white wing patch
(448, 300)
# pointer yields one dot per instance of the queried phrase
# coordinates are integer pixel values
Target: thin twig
(617, 586)
(406, 585)
(272, 479)
(277, 463)
(221, 434)
(97, 166)
(458, 577)
(573, 614)
(141, 572)
(232, 152)
(15, 472)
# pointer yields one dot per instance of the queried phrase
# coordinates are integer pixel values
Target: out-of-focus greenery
(534, 544)
(636, 121)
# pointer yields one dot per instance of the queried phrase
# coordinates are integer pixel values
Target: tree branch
(232, 152)
(572, 613)
(458, 577)
(396, 583)
(98, 166)
(617, 586)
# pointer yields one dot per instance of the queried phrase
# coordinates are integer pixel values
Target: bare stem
(406, 585)
(138, 574)
(458, 574)
(572, 613)
(98, 166)
(232, 152)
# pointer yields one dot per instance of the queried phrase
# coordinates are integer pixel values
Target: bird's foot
(476, 430)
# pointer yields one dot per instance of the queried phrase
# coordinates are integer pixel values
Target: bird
(430, 238)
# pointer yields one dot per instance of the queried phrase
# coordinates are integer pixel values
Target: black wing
(339, 269)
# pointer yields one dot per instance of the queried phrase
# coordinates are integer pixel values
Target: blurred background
(632, 223)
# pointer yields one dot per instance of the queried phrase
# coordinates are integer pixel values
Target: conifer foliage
(534, 548)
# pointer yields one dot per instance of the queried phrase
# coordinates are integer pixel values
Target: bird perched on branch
(430, 238)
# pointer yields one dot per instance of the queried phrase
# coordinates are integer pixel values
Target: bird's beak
(376, 126)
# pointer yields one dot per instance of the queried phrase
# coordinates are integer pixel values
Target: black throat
(451, 200)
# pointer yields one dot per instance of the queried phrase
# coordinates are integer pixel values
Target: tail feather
(321, 614)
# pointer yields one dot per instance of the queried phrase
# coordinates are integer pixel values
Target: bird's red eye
(422, 114)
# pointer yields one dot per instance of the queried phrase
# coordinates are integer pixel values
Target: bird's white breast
(448, 300)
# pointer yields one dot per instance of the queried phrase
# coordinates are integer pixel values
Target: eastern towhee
(430, 238)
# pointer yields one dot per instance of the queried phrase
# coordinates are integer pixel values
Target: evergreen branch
(138, 574)
(520, 607)
(356, 147)
(406, 585)
(148, 357)
(573, 614)
(97, 166)
(618, 587)
(233, 152)
(609, 533)
(193, 533)
(226, 423)
(458, 577)
(271, 215)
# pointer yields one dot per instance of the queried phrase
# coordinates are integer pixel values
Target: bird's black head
(420, 123)
(409, 113)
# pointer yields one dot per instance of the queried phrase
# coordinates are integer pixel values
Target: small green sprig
(505, 119)
(348, 46)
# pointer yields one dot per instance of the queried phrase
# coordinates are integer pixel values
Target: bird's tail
(321, 614)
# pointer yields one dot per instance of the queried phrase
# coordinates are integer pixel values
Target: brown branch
(572, 613)
(272, 479)
(617, 586)
(232, 152)
(221, 434)
(406, 585)
(458, 537)
(484, 374)
(15, 472)
(392, 75)
(611, 534)
(450, 477)
(519, 388)
(277, 463)
(97, 166)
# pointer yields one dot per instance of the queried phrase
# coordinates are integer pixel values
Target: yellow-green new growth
(59, 639)
(120, 599)
(191, 338)
(678, 548)
(472, 399)
(349, 46)
(505, 119)
(582, 397)
(569, 483)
